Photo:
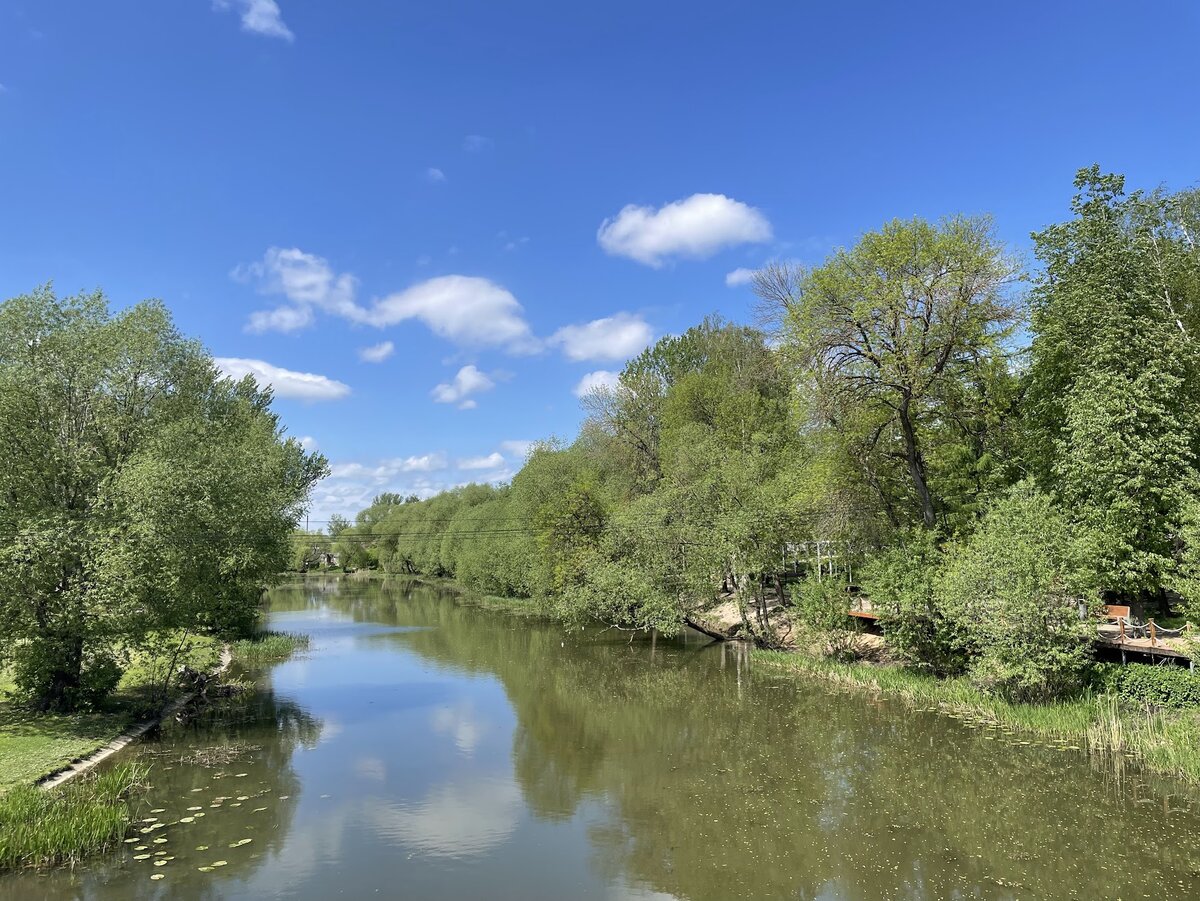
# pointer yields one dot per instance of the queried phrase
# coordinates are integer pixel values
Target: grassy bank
(49, 828)
(33, 744)
(1166, 742)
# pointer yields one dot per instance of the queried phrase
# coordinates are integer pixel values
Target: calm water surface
(425, 748)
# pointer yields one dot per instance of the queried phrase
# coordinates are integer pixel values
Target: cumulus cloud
(377, 353)
(476, 143)
(466, 310)
(601, 378)
(434, 174)
(385, 470)
(493, 460)
(468, 381)
(285, 382)
(697, 226)
(259, 16)
(611, 338)
(740, 276)
(309, 443)
(307, 280)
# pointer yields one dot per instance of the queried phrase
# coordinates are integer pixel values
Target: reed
(268, 647)
(40, 828)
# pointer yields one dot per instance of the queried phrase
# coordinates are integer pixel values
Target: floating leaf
(187, 819)
(158, 876)
(220, 863)
(202, 847)
(160, 841)
(195, 808)
(160, 863)
(205, 869)
(141, 857)
(158, 810)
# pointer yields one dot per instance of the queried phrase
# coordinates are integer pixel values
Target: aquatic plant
(44, 828)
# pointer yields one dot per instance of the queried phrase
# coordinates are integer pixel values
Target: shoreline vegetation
(990, 458)
(1165, 742)
(53, 826)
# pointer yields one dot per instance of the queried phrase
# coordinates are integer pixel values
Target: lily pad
(157, 876)
(141, 857)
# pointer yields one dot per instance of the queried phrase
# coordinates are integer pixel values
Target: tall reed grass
(45, 828)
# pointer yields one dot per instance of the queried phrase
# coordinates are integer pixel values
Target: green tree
(141, 490)
(1114, 382)
(886, 335)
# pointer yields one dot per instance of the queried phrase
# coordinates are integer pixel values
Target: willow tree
(896, 340)
(140, 491)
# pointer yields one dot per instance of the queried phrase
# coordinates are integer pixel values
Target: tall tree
(140, 491)
(886, 334)
(1114, 382)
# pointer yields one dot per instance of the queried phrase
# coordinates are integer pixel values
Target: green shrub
(901, 582)
(820, 606)
(1013, 591)
(1158, 686)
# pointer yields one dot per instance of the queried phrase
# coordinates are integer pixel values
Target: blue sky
(427, 223)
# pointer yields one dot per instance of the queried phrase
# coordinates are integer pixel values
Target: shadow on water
(435, 749)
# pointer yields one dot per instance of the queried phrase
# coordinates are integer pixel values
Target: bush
(1158, 686)
(1013, 591)
(38, 663)
(901, 583)
(821, 606)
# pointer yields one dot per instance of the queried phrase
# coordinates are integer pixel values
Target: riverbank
(35, 744)
(1166, 742)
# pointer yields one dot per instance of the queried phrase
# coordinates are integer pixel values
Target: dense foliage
(984, 461)
(141, 492)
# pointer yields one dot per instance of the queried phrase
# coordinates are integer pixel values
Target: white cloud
(385, 470)
(434, 174)
(309, 443)
(377, 353)
(281, 319)
(306, 280)
(601, 378)
(493, 460)
(611, 338)
(477, 143)
(464, 309)
(287, 383)
(740, 276)
(697, 226)
(469, 380)
(259, 16)
(517, 449)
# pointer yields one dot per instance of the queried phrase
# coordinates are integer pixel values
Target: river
(427, 748)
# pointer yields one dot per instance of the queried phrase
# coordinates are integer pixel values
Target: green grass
(33, 744)
(268, 647)
(50, 828)
(1166, 742)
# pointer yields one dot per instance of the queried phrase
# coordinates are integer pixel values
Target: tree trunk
(63, 681)
(916, 466)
